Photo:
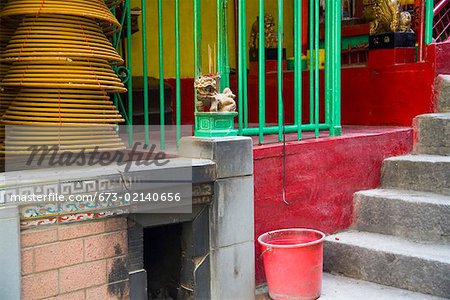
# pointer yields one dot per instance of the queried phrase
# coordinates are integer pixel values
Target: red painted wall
(321, 177)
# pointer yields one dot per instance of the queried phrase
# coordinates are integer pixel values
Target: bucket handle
(264, 252)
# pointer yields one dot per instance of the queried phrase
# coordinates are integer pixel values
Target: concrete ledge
(232, 219)
(233, 155)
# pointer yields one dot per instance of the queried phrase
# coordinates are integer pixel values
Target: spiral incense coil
(93, 9)
(54, 74)
(3, 70)
(5, 35)
(23, 139)
(59, 75)
(61, 108)
(5, 100)
(68, 38)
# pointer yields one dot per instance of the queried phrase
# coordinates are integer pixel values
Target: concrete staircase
(401, 233)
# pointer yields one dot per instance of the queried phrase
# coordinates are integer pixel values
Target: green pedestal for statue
(215, 124)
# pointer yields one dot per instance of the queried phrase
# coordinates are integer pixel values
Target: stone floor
(343, 288)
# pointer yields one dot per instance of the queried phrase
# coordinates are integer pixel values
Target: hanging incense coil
(59, 76)
(3, 70)
(93, 9)
(88, 74)
(66, 37)
(23, 139)
(60, 107)
(6, 99)
(5, 35)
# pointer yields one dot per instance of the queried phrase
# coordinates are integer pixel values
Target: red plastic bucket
(293, 263)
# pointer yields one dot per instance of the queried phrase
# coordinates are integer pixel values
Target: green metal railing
(331, 120)
(332, 72)
(429, 16)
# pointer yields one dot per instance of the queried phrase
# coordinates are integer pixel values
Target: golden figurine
(387, 16)
(271, 39)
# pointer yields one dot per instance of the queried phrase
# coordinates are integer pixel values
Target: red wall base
(321, 177)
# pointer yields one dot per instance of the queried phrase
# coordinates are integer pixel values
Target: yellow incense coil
(93, 9)
(47, 36)
(55, 74)
(56, 107)
(5, 101)
(21, 139)
(23, 143)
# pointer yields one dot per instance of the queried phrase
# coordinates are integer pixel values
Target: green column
(261, 73)
(161, 76)
(280, 69)
(130, 74)
(298, 67)
(145, 69)
(177, 73)
(429, 16)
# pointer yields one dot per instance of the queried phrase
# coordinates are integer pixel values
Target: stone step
(413, 215)
(442, 98)
(343, 288)
(433, 134)
(336, 287)
(427, 173)
(389, 260)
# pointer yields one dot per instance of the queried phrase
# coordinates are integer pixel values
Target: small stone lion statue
(207, 95)
(224, 102)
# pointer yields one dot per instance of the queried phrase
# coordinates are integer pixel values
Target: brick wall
(86, 260)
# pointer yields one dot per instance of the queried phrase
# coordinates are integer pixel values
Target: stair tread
(407, 196)
(393, 244)
(337, 287)
(421, 158)
(437, 115)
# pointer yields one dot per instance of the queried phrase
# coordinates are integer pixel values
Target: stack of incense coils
(57, 74)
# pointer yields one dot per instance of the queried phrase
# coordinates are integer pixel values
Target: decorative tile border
(41, 214)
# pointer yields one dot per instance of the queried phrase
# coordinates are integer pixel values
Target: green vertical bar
(311, 60)
(429, 16)
(130, 74)
(114, 38)
(298, 67)
(316, 67)
(241, 73)
(197, 39)
(220, 43)
(336, 63)
(197, 48)
(177, 72)
(244, 61)
(145, 69)
(226, 73)
(280, 69)
(162, 132)
(337, 66)
(261, 73)
(328, 65)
